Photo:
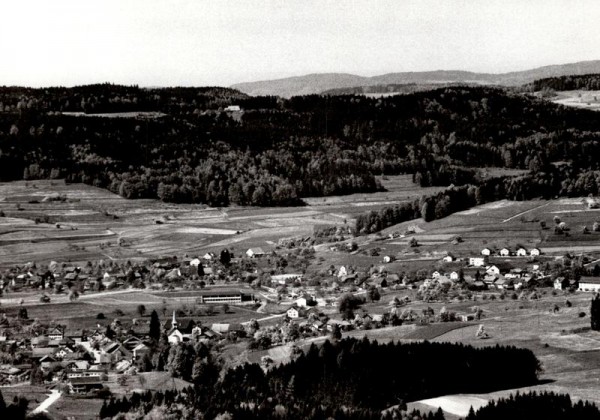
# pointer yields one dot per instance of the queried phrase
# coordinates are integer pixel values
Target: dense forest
(276, 151)
(347, 379)
(582, 82)
(546, 405)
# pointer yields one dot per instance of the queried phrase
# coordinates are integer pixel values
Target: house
(448, 258)
(521, 252)
(388, 259)
(294, 313)
(534, 252)
(589, 284)
(305, 300)
(56, 333)
(493, 270)
(84, 385)
(233, 108)
(342, 272)
(454, 275)
(435, 275)
(558, 283)
(255, 253)
(477, 261)
(486, 252)
(505, 252)
(195, 262)
(285, 278)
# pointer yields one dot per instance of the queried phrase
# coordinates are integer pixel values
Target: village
(288, 296)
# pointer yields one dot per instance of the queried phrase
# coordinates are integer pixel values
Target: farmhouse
(589, 284)
(285, 278)
(486, 251)
(255, 253)
(521, 252)
(477, 261)
(534, 252)
(505, 252)
(84, 385)
(448, 258)
(454, 275)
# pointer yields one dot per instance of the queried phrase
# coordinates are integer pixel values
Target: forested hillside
(277, 151)
(583, 82)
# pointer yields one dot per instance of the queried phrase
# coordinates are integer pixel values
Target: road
(52, 398)
(34, 299)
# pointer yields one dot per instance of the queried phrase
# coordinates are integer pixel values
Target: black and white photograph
(299, 210)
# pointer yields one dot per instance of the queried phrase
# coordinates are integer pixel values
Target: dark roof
(591, 280)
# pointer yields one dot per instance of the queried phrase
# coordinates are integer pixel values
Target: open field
(81, 222)
(586, 99)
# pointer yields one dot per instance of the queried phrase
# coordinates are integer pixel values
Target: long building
(225, 296)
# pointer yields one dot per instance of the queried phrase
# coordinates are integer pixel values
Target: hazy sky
(197, 42)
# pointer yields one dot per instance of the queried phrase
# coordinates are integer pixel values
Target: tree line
(533, 405)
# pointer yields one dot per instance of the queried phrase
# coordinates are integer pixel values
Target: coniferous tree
(154, 332)
(595, 312)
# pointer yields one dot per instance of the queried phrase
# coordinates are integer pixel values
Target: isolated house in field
(534, 252)
(388, 259)
(486, 252)
(521, 252)
(505, 252)
(342, 272)
(448, 258)
(589, 284)
(255, 253)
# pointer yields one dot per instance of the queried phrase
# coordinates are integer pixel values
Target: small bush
(100, 316)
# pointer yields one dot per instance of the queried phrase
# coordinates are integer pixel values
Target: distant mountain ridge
(321, 82)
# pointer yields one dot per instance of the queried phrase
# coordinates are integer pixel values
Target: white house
(342, 272)
(505, 252)
(195, 262)
(233, 108)
(477, 261)
(534, 252)
(558, 283)
(448, 258)
(521, 252)
(589, 284)
(435, 275)
(486, 251)
(454, 275)
(294, 313)
(388, 259)
(493, 270)
(255, 252)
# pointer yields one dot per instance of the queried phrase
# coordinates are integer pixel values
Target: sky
(200, 43)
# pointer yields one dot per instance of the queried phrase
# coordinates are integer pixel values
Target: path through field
(524, 212)
(52, 398)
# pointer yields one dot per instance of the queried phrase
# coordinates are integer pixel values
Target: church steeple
(173, 321)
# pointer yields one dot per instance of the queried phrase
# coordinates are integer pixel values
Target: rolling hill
(321, 82)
